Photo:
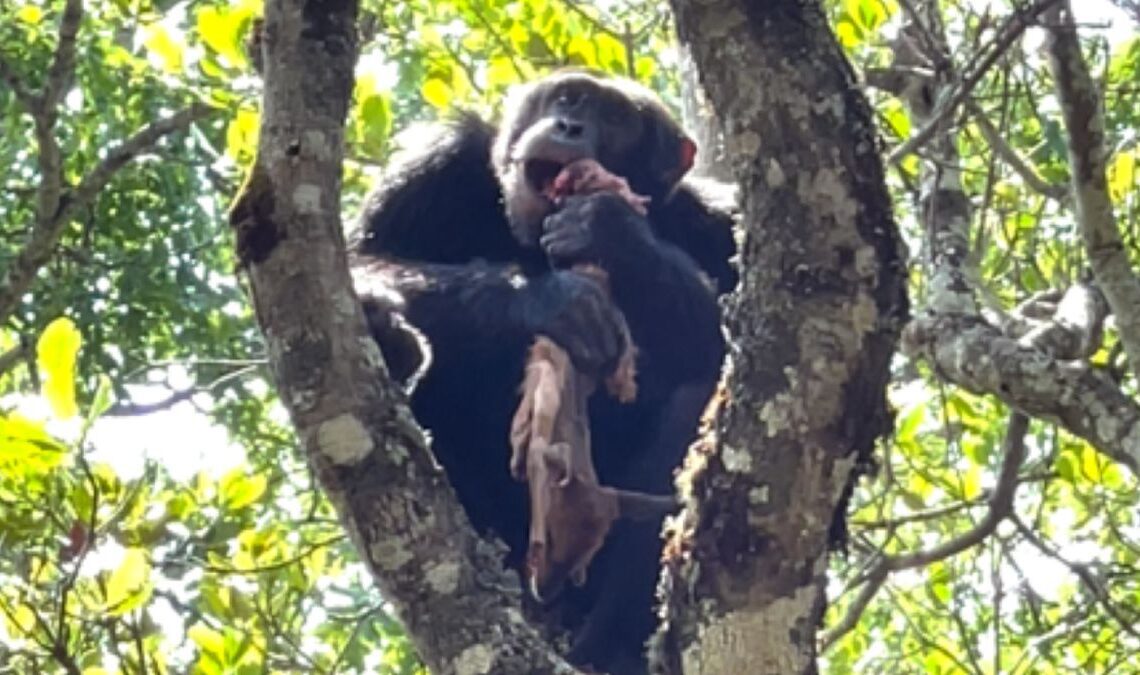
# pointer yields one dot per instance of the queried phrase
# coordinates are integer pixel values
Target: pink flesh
(587, 176)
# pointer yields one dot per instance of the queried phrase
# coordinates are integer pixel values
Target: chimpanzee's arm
(671, 310)
(476, 311)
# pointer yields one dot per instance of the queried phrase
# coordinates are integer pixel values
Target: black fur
(435, 245)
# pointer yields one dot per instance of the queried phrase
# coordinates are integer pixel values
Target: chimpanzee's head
(571, 115)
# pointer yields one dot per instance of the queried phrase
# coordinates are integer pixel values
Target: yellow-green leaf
(1090, 463)
(222, 29)
(157, 40)
(436, 92)
(30, 14)
(129, 585)
(101, 401)
(242, 134)
(1122, 174)
(238, 490)
(208, 640)
(56, 352)
(26, 449)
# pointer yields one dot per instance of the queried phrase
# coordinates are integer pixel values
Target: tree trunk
(813, 324)
(447, 585)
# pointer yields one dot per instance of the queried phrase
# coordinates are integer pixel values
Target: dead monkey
(571, 513)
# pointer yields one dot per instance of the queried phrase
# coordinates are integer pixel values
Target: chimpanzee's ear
(641, 506)
(683, 152)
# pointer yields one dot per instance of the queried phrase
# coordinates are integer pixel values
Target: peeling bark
(447, 585)
(813, 323)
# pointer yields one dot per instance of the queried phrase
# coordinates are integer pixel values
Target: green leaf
(56, 352)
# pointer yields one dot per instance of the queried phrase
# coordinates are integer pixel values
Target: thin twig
(1011, 157)
(1014, 26)
(1000, 508)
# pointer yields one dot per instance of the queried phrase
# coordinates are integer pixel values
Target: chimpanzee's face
(571, 116)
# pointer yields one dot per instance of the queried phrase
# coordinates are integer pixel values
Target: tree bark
(813, 324)
(447, 585)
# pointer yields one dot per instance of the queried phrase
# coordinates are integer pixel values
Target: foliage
(155, 514)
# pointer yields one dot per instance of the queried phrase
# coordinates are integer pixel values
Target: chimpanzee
(460, 247)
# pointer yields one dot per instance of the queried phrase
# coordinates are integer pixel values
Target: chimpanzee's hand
(600, 228)
(575, 312)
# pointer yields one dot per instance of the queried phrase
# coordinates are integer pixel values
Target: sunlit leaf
(128, 586)
(436, 92)
(222, 29)
(56, 352)
(158, 40)
(30, 14)
(238, 490)
(242, 134)
(209, 641)
(1122, 174)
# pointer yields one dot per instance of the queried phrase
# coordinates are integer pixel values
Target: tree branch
(1095, 587)
(15, 84)
(128, 409)
(974, 355)
(61, 72)
(54, 209)
(460, 608)
(1087, 157)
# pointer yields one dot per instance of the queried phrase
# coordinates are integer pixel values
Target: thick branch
(813, 326)
(54, 208)
(1087, 156)
(1074, 329)
(448, 587)
(977, 357)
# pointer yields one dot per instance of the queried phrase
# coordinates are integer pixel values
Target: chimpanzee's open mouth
(540, 173)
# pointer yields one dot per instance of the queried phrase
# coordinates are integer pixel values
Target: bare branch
(54, 209)
(1075, 329)
(1015, 25)
(127, 409)
(859, 605)
(1084, 121)
(974, 355)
